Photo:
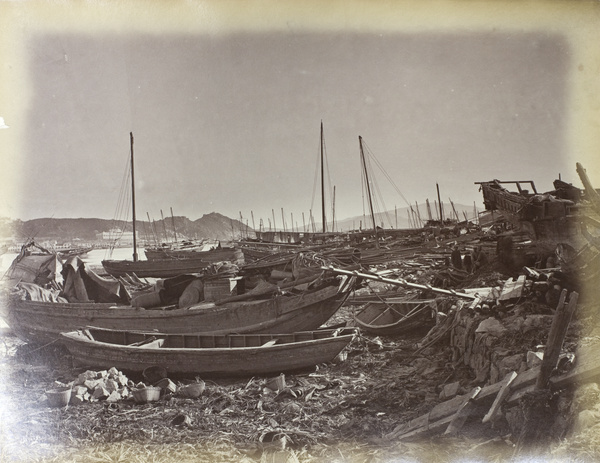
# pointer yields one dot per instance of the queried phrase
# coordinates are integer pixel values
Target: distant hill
(212, 226)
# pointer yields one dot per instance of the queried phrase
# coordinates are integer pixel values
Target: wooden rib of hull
(393, 318)
(160, 268)
(41, 322)
(207, 355)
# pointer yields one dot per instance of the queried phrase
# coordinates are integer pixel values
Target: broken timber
(512, 388)
(440, 416)
(403, 282)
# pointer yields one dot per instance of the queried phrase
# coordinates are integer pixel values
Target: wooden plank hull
(394, 318)
(160, 268)
(235, 355)
(41, 322)
(214, 255)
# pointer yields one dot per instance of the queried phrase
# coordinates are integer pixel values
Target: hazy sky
(229, 121)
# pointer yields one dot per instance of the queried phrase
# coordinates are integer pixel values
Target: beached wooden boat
(158, 268)
(233, 355)
(386, 318)
(299, 308)
(213, 255)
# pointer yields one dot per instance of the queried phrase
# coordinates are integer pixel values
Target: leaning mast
(362, 157)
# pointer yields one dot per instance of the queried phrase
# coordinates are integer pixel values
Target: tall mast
(362, 157)
(333, 212)
(135, 255)
(173, 221)
(440, 204)
(323, 184)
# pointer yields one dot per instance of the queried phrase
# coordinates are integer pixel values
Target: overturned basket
(146, 394)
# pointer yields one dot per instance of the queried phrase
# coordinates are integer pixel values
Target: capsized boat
(388, 318)
(228, 355)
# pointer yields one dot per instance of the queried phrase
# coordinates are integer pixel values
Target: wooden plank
(442, 413)
(502, 394)
(558, 331)
(462, 413)
(513, 289)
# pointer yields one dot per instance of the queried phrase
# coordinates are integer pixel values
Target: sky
(225, 111)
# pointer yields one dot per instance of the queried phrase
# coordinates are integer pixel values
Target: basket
(276, 384)
(146, 394)
(154, 374)
(192, 390)
(59, 397)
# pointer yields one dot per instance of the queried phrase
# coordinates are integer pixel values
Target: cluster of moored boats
(225, 318)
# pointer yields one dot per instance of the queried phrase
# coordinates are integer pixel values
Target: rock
(83, 377)
(100, 393)
(449, 391)
(113, 372)
(534, 359)
(92, 384)
(79, 390)
(111, 385)
(492, 326)
(114, 397)
(513, 363)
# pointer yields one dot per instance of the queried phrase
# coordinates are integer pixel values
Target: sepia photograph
(299, 231)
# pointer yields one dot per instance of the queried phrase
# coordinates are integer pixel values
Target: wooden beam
(558, 331)
(502, 395)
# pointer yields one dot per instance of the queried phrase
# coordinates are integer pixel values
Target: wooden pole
(362, 156)
(440, 203)
(556, 337)
(173, 221)
(538, 416)
(135, 254)
(402, 282)
(323, 183)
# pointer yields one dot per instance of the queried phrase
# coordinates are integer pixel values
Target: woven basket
(147, 394)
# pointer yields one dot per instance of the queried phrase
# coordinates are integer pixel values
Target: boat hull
(42, 322)
(158, 268)
(214, 255)
(395, 318)
(237, 355)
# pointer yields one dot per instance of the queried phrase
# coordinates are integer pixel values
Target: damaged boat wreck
(460, 340)
(185, 304)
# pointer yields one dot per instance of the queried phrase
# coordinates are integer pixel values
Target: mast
(173, 221)
(135, 255)
(362, 157)
(323, 184)
(333, 213)
(440, 204)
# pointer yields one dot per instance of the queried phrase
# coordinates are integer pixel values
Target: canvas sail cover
(38, 269)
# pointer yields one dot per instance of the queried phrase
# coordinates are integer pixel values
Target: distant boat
(233, 355)
(159, 268)
(187, 250)
(70, 252)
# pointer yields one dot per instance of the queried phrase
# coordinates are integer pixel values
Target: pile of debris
(92, 386)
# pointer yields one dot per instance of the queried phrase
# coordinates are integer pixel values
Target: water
(95, 257)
